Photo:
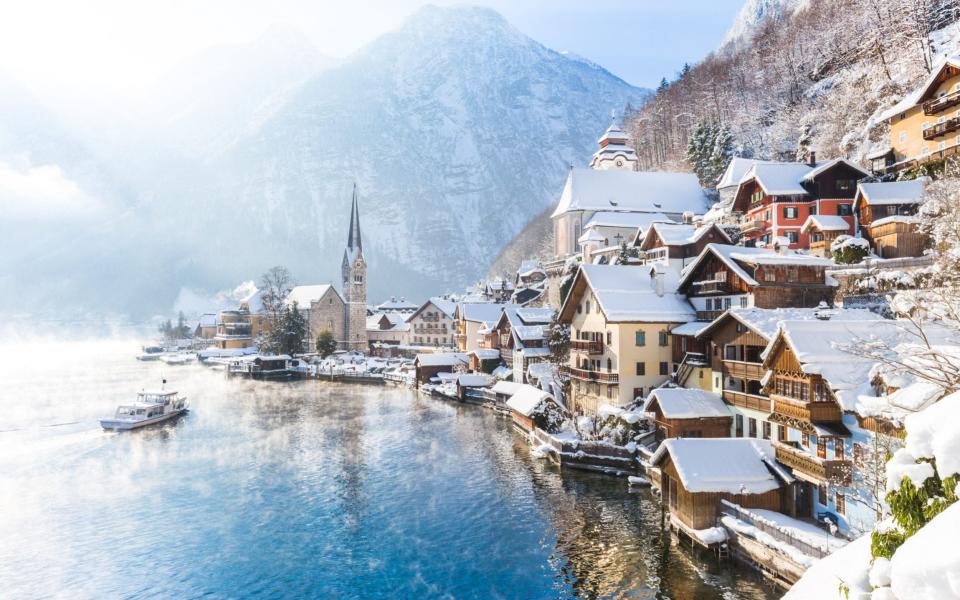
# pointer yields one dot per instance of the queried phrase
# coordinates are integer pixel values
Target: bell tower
(354, 274)
(615, 151)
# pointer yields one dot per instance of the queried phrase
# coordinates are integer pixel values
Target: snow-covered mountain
(457, 128)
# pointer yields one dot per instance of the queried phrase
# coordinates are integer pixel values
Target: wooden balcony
(712, 286)
(743, 370)
(753, 225)
(942, 128)
(751, 401)
(814, 467)
(813, 412)
(935, 105)
(588, 346)
(587, 375)
(708, 315)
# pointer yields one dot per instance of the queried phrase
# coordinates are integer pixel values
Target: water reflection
(306, 489)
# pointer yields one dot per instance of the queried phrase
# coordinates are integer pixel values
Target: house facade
(886, 214)
(620, 346)
(432, 324)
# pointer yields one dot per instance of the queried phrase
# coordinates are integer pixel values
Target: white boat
(180, 358)
(152, 406)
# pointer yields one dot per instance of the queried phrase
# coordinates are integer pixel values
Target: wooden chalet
(679, 242)
(695, 474)
(822, 230)
(427, 366)
(886, 215)
(724, 277)
(683, 412)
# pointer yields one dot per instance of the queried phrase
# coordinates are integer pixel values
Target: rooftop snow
(535, 316)
(481, 312)
(730, 255)
(486, 353)
(778, 178)
(631, 191)
(735, 171)
(914, 97)
(825, 223)
(688, 403)
(474, 380)
(892, 192)
(766, 321)
(507, 387)
(625, 219)
(628, 294)
(445, 359)
(827, 165)
(680, 234)
(721, 465)
(527, 399)
(303, 295)
(445, 305)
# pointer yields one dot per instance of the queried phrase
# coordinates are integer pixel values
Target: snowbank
(927, 565)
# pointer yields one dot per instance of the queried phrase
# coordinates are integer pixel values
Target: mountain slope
(457, 129)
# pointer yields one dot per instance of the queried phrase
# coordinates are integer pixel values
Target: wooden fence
(735, 510)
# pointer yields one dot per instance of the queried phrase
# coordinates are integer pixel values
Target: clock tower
(615, 151)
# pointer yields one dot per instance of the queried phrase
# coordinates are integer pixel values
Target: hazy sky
(115, 45)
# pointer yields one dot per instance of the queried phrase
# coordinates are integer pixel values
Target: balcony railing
(935, 105)
(588, 346)
(814, 467)
(751, 401)
(943, 128)
(753, 225)
(708, 315)
(712, 286)
(587, 375)
(743, 370)
(813, 412)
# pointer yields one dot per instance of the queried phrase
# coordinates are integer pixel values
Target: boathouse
(688, 412)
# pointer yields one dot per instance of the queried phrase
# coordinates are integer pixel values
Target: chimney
(687, 217)
(813, 158)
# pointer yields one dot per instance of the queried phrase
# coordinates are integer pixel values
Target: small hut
(689, 412)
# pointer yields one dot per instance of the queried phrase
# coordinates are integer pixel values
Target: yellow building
(233, 330)
(620, 319)
(925, 125)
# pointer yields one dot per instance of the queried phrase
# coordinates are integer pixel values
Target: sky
(113, 46)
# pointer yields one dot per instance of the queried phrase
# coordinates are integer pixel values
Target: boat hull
(119, 425)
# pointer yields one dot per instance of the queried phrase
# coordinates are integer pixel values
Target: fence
(735, 510)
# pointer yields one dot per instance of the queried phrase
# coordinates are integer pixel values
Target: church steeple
(353, 240)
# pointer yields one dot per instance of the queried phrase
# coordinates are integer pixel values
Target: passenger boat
(152, 406)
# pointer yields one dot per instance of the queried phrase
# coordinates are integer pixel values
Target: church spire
(353, 241)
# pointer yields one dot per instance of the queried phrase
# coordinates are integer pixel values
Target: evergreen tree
(326, 344)
(721, 153)
(709, 151)
(664, 85)
(288, 335)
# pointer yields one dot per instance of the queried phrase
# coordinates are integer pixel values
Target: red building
(776, 198)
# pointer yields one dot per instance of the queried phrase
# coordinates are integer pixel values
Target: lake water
(305, 489)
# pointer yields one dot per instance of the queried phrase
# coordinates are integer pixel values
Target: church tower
(354, 272)
(615, 151)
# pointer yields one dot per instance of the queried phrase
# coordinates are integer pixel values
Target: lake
(305, 489)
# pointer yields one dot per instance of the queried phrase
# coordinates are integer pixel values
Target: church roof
(632, 192)
(303, 295)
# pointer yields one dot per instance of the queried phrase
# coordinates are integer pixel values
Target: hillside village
(755, 352)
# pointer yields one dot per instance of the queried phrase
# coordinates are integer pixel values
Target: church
(327, 310)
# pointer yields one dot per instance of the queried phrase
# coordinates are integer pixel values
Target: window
(637, 393)
(845, 185)
(641, 368)
(838, 448)
(821, 446)
(664, 368)
(790, 212)
(859, 454)
(841, 503)
(579, 309)
(663, 338)
(769, 275)
(942, 146)
(738, 420)
(903, 137)
(609, 391)
(609, 365)
(822, 494)
(641, 338)
(793, 236)
(753, 427)
(588, 306)
(743, 301)
(781, 433)
(766, 430)
(844, 210)
(804, 392)
(609, 337)
(726, 303)
(804, 440)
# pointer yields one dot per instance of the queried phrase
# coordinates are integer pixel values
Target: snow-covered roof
(892, 192)
(721, 465)
(396, 305)
(397, 321)
(530, 332)
(591, 235)
(908, 219)
(914, 97)
(631, 191)
(735, 171)
(445, 305)
(527, 399)
(535, 316)
(688, 403)
(475, 380)
(486, 353)
(254, 301)
(506, 387)
(778, 178)
(766, 321)
(681, 234)
(614, 133)
(625, 219)
(825, 223)
(303, 295)
(481, 312)
(689, 329)
(732, 255)
(628, 294)
(443, 359)
(829, 164)
(208, 320)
